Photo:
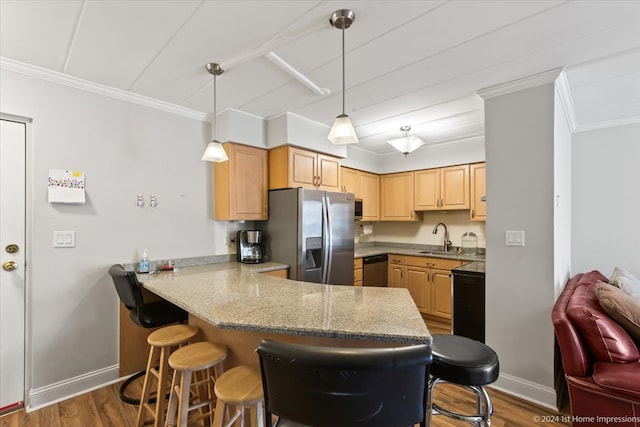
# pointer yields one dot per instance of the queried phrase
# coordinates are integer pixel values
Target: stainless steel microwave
(358, 209)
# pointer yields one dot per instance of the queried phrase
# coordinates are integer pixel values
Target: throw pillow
(622, 308)
(626, 281)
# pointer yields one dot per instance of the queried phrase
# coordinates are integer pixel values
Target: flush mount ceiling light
(342, 131)
(407, 143)
(215, 151)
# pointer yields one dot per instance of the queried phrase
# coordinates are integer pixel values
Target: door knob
(9, 266)
(12, 248)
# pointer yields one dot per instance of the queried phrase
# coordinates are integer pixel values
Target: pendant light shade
(342, 131)
(407, 143)
(214, 151)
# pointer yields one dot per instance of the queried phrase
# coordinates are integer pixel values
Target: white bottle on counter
(144, 263)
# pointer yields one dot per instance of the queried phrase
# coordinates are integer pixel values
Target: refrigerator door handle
(326, 239)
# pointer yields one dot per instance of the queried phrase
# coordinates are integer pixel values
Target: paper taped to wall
(66, 186)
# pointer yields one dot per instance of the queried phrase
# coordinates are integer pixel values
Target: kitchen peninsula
(236, 304)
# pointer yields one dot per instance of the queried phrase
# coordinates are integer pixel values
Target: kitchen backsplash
(421, 232)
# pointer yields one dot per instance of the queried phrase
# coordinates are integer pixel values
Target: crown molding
(88, 86)
(566, 99)
(520, 84)
(634, 120)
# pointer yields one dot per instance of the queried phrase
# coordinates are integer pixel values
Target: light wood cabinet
(442, 188)
(292, 167)
(240, 184)
(417, 284)
(428, 280)
(365, 186)
(283, 273)
(350, 181)
(395, 276)
(396, 197)
(478, 189)
(357, 272)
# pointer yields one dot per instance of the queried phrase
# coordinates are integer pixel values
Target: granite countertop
(235, 296)
(361, 252)
(472, 267)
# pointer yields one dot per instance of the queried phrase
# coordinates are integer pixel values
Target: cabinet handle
(401, 273)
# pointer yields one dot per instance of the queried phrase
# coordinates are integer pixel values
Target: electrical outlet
(231, 239)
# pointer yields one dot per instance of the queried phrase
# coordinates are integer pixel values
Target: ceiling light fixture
(342, 131)
(407, 143)
(215, 151)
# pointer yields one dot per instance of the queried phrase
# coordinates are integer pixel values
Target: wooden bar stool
(161, 342)
(203, 358)
(240, 387)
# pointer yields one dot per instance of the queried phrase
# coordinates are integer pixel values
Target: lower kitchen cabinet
(357, 272)
(416, 283)
(428, 280)
(395, 277)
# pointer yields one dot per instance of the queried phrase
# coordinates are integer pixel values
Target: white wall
(606, 200)
(124, 149)
(519, 132)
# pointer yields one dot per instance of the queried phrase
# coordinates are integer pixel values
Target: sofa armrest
(621, 378)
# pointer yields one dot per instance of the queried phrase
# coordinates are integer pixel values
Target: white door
(12, 260)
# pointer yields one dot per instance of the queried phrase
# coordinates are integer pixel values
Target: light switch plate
(514, 237)
(64, 239)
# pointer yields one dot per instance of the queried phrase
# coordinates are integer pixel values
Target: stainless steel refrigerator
(312, 232)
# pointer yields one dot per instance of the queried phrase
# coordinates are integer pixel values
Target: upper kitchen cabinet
(442, 188)
(478, 190)
(240, 184)
(350, 181)
(396, 197)
(365, 186)
(292, 167)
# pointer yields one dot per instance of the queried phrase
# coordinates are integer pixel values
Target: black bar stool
(467, 363)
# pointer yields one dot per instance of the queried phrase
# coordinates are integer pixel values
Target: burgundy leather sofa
(601, 361)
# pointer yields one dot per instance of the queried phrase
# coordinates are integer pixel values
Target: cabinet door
(328, 171)
(350, 181)
(454, 187)
(395, 277)
(396, 197)
(302, 168)
(418, 286)
(440, 293)
(478, 189)
(240, 184)
(248, 183)
(370, 195)
(427, 190)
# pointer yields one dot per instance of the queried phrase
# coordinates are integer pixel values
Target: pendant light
(407, 143)
(215, 151)
(342, 131)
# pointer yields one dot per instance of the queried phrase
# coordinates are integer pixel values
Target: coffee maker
(250, 246)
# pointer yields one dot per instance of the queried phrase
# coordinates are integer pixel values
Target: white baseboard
(533, 392)
(63, 390)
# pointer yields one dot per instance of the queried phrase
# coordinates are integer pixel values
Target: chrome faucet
(447, 242)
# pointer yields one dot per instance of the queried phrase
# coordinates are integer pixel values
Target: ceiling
(416, 63)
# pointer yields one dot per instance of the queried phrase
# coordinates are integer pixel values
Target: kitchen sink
(438, 253)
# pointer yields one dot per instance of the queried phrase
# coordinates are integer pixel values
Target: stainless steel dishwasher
(375, 270)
